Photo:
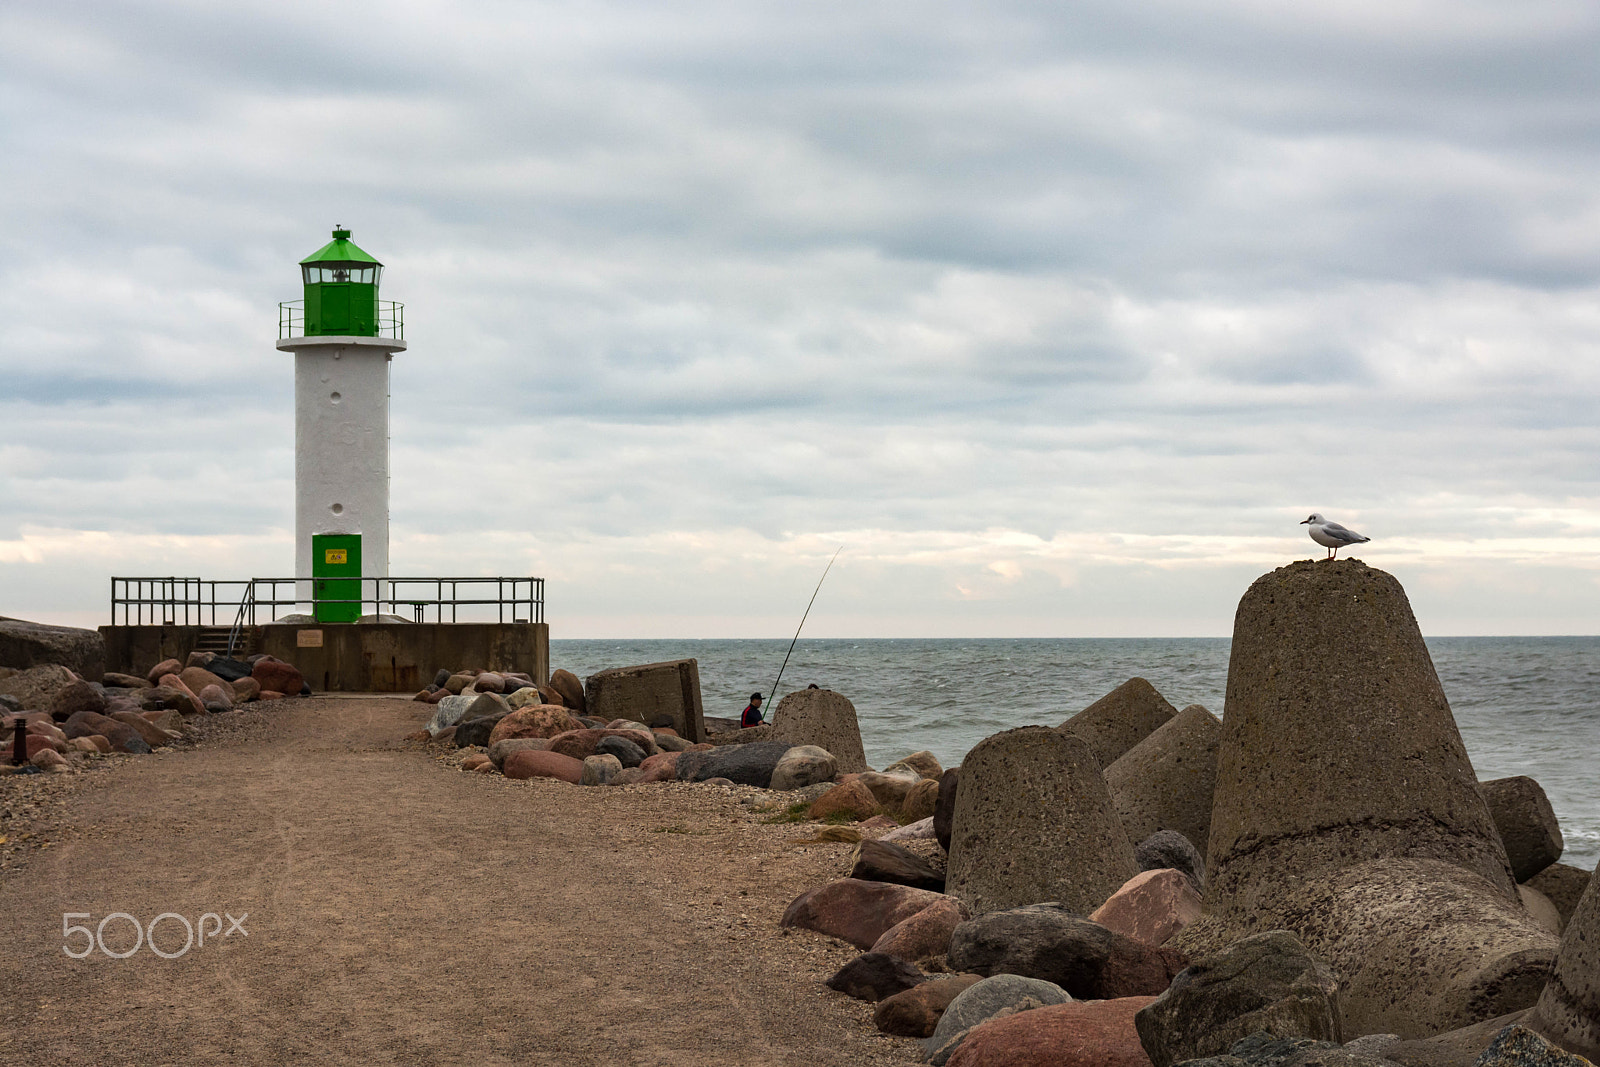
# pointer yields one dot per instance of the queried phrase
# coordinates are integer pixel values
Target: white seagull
(1331, 535)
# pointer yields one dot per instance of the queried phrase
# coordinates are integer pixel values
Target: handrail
(175, 601)
(390, 320)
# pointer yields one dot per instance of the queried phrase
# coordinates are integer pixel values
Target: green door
(336, 568)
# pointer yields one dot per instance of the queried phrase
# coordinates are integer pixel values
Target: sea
(1524, 705)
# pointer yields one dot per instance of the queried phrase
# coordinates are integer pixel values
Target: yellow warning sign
(335, 555)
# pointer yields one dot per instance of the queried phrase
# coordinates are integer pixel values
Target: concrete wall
(356, 657)
(648, 691)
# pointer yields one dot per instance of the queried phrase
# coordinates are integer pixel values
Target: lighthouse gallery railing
(391, 319)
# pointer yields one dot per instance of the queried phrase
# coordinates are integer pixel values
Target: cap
(754, 697)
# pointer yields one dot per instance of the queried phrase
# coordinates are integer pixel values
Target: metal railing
(240, 602)
(391, 321)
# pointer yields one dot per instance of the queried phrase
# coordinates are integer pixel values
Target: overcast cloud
(1057, 317)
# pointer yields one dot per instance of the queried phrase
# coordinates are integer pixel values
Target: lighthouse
(343, 338)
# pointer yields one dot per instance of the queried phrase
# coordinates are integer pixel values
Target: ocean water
(1525, 705)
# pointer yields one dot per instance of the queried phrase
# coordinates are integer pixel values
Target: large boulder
(1165, 782)
(855, 911)
(581, 744)
(1170, 850)
(540, 720)
(1519, 1046)
(77, 695)
(537, 763)
(1151, 906)
(916, 1011)
(823, 718)
(1121, 719)
(36, 687)
(1526, 823)
(278, 677)
(1347, 811)
(149, 732)
(1267, 981)
(1048, 942)
(476, 731)
(1099, 1033)
(1564, 885)
(570, 689)
(647, 693)
(804, 765)
(882, 861)
(1033, 822)
(501, 751)
(925, 934)
(600, 770)
(872, 976)
(1568, 1010)
(448, 712)
(750, 764)
(123, 738)
(1001, 994)
(33, 644)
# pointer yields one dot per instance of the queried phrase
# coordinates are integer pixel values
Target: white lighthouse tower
(343, 338)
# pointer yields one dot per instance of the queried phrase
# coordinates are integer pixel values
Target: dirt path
(401, 911)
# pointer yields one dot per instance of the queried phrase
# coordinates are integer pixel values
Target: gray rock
(476, 731)
(1165, 782)
(35, 687)
(448, 712)
(1033, 822)
(804, 765)
(981, 1002)
(628, 754)
(1563, 884)
(1266, 1049)
(873, 976)
(823, 718)
(883, 861)
(1266, 982)
(1518, 1046)
(1568, 1010)
(944, 809)
(750, 764)
(1170, 850)
(10, 703)
(1121, 719)
(1344, 793)
(1526, 823)
(671, 743)
(33, 644)
(485, 704)
(599, 770)
(1048, 942)
(440, 678)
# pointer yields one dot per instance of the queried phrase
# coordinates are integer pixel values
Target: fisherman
(751, 716)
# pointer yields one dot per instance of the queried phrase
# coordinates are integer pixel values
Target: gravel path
(401, 911)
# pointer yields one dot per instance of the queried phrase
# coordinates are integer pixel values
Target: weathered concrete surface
(1346, 810)
(1033, 822)
(1121, 719)
(355, 657)
(649, 692)
(823, 718)
(1166, 781)
(1526, 823)
(1568, 1011)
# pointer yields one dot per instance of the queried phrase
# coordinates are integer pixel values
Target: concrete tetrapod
(1121, 719)
(1568, 1011)
(1166, 781)
(1339, 760)
(1033, 822)
(823, 718)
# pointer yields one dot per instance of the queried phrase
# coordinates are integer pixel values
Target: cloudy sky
(1058, 317)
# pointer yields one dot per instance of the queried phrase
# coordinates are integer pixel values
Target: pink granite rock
(927, 933)
(857, 911)
(1151, 906)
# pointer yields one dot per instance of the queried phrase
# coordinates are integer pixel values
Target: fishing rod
(802, 625)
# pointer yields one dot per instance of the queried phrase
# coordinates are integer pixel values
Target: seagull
(1331, 535)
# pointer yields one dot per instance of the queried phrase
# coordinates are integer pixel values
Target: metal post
(19, 740)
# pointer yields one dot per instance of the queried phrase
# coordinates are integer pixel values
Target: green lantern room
(341, 286)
